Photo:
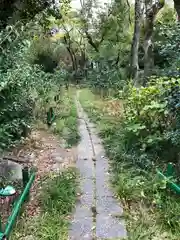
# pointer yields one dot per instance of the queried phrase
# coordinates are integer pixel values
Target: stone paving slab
(10, 170)
(96, 209)
(108, 227)
(87, 185)
(82, 223)
(97, 142)
(102, 166)
(81, 228)
(81, 212)
(108, 205)
(103, 188)
(85, 168)
(86, 200)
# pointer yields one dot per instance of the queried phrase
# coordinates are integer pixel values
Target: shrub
(26, 90)
(42, 52)
(166, 49)
(106, 79)
(151, 117)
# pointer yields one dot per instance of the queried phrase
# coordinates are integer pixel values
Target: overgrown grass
(151, 212)
(57, 200)
(66, 123)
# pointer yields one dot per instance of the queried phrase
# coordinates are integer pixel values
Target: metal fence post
(25, 175)
(0, 224)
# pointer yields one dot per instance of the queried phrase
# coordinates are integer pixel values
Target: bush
(26, 90)
(166, 48)
(151, 117)
(106, 79)
(42, 52)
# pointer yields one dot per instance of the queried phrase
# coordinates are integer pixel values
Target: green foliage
(46, 53)
(66, 123)
(164, 42)
(56, 201)
(149, 211)
(106, 78)
(14, 11)
(149, 122)
(25, 88)
(112, 33)
(59, 193)
(166, 16)
(166, 48)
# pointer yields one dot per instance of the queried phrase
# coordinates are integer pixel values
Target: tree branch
(91, 42)
(129, 8)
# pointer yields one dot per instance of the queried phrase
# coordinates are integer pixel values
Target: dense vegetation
(150, 211)
(127, 53)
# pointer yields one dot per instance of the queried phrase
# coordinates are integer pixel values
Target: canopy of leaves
(14, 10)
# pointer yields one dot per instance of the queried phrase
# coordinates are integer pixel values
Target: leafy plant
(56, 201)
(166, 48)
(148, 118)
(66, 123)
(141, 192)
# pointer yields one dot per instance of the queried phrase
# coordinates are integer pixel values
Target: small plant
(59, 193)
(66, 123)
(56, 200)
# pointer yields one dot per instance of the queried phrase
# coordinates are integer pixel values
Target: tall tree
(134, 61)
(90, 21)
(151, 11)
(68, 42)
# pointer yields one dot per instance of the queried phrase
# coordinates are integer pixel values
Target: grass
(66, 123)
(57, 200)
(150, 211)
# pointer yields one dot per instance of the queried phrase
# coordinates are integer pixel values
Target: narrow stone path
(96, 212)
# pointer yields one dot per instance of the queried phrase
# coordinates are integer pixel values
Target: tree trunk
(134, 61)
(71, 53)
(151, 10)
(177, 8)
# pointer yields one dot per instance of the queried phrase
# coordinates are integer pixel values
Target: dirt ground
(46, 153)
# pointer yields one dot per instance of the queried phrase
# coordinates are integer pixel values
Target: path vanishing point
(96, 212)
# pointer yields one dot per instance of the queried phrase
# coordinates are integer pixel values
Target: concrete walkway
(94, 217)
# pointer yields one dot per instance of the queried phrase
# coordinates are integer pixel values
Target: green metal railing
(168, 176)
(27, 183)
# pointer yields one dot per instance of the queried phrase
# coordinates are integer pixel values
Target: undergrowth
(56, 199)
(66, 123)
(150, 211)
